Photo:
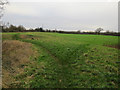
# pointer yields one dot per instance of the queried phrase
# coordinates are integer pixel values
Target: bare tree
(79, 31)
(2, 4)
(98, 30)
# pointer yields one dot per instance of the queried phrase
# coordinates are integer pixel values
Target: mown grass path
(64, 74)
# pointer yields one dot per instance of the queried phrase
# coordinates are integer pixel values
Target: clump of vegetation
(13, 28)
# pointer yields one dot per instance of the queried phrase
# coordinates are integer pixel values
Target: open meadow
(54, 60)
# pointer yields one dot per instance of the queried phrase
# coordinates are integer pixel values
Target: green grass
(70, 61)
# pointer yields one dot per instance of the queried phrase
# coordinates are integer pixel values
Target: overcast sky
(69, 15)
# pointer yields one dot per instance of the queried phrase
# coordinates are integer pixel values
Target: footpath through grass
(70, 61)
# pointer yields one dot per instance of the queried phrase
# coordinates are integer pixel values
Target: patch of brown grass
(23, 36)
(29, 37)
(114, 46)
(15, 56)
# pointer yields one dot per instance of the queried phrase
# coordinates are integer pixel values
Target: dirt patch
(113, 46)
(23, 36)
(15, 57)
(29, 37)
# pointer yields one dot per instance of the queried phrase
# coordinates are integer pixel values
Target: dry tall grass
(15, 54)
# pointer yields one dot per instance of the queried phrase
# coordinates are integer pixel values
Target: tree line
(20, 28)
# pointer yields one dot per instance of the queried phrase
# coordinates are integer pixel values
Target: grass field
(67, 60)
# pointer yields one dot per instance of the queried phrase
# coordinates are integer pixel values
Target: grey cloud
(66, 16)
